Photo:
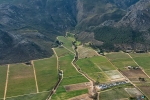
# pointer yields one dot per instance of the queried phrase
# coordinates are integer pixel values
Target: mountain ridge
(32, 26)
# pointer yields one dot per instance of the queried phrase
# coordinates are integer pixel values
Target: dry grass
(84, 52)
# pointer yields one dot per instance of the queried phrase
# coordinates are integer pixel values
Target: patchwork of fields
(34, 81)
(70, 75)
(28, 82)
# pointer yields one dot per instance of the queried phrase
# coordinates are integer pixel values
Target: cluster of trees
(112, 35)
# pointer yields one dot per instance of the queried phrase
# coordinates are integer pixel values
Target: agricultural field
(100, 77)
(145, 88)
(3, 72)
(133, 92)
(79, 86)
(134, 75)
(38, 96)
(67, 42)
(70, 75)
(114, 94)
(66, 66)
(148, 72)
(85, 52)
(81, 97)
(87, 65)
(121, 60)
(143, 59)
(73, 80)
(66, 95)
(61, 51)
(95, 67)
(21, 80)
(46, 73)
(114, 75)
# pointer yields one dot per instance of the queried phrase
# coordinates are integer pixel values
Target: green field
(46, 73)
(3, 72)
(106, 66)
(73, 80)
(103, 63)
(99, 77)
(67, 42)
(21, 80)
(66, 66)
(71, 76)
(142, 59)
(121, 60)
(38, 96)
(148, 71)
(140, 55)
(117, 55)
(95, 66)
(90, 65)
(114, 94)
(62, 51)
(61, 95)
(87, 65)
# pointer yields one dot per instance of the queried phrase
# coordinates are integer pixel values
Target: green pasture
(73, 80)
(143, 59)
(114, 94)
(61, 51)
(117, 55)
(38, 96)
(3, 73)
(99, 77)
(66, 66)
(21, 80)
(134, 55)
(121, 60)
(46, 73)
(67, 42)
(87, 65)
(106, 66)
(66, 95)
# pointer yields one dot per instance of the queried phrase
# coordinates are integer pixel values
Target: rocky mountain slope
(28, 28)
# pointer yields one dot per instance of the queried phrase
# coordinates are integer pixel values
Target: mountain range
(28, 28)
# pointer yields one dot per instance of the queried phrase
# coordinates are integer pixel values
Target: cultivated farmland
(3, 72)
(46, 72)
(143, 59)
(114, 94)
(85, 52)
(66, 66)
(145, 88)
(67, 42)
(21, 80)
(121, 60)
(95, 67)
(38, 96)
(61, 51)
(67, 95)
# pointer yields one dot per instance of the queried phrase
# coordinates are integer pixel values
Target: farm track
(143, 72)
(37, 89)
(7, 76)
(56, 58)
(139, 66)
(92, 90)
(59, 80)
(127, 77)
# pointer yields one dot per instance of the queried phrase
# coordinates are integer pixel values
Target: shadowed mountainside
(28, 28)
